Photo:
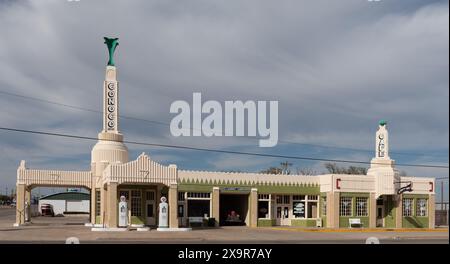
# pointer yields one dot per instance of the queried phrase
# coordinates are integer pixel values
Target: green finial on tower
(382, 122)
(111, 43)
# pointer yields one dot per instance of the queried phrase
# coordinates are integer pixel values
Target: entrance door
(283, 213)
(150, 207)
(380, 216)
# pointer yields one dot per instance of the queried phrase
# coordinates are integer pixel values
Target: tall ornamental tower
(382, 167)
(110, 147)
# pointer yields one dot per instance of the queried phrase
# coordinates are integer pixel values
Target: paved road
(118, 241)
(58, 229)
(5, 212)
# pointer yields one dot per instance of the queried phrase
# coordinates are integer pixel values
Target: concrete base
(107, 229)
(24, 224)
(96, 225)
(173, 229)
(136, 225)
(142, 229)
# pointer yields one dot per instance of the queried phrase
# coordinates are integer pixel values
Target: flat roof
(74, 196)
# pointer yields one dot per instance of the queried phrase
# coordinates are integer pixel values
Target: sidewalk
(358, 230)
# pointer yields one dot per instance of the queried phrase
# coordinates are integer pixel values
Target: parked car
(47, 210)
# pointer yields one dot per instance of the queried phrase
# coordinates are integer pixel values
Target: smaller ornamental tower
(382, 167)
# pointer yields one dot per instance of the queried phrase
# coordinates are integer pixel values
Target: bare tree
(306, 171)
(272, 170)
(285, 167)
(335, 169)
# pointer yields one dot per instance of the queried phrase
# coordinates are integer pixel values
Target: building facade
(382, 198)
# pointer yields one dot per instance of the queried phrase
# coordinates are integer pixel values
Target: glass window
(279, 199)
(198, 208)
(278, 212)
(136, 203)
(124, 193)
(150, 195)
(324, 206)
(263, 196)
(312, 209)
(421, 209)
(150, 209)
(97, 202)
(180, 210)
(298, 197)
(286, 199)
(312, 197)
(345, 206)
(298, 209)
(180, 196)
(361, 206)
(263, 209)
(407, 206)
(198, 195)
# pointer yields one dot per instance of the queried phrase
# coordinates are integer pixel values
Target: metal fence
(441, 214)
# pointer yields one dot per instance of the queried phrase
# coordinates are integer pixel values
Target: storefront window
(136, 203)
(361, 206)
(407, 206)
(298, 208)
(180, 210)
(421, 207)
(324, 206)
(263, 209)
(97, 202)
(312, 209)
(345, 206)
(198, 208)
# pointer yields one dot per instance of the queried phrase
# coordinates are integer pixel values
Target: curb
(362, 230)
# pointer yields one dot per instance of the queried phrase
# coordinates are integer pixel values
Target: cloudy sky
(336, 68)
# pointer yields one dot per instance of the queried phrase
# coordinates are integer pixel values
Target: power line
(218, 150)
(168, 125)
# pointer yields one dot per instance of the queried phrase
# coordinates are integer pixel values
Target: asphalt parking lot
(58, 229)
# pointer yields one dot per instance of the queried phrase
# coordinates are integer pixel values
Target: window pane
(312, 209)
(298, 209)
(345, 206)
(324, 206)
(421, 209)
(407, 206)
(263, 209)
(361, 206)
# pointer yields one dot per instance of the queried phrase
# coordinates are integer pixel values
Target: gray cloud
(336, 67)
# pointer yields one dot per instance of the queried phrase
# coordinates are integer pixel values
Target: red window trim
(338, 186)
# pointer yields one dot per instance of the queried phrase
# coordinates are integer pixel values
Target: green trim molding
(303, 222)
(205, 185)
(266, 222)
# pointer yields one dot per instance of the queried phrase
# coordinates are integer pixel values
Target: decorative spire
(112, 44)
(382, 122)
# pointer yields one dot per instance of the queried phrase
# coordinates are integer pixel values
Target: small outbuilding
(67, 202)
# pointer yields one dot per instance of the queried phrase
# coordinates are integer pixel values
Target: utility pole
(285, 167)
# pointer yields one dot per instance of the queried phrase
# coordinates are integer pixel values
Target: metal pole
(442, 195)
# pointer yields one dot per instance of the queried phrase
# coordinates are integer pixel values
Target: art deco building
(381, 198)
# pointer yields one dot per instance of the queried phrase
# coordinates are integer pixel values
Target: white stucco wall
(61, 206)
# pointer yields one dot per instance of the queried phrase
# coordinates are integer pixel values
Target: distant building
(67, 202)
